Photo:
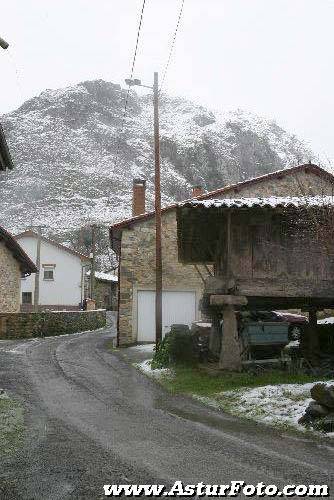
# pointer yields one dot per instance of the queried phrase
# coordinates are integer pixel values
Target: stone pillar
(230, 358)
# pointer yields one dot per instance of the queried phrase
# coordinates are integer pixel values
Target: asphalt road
(92, 420)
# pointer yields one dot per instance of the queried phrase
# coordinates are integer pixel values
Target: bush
(177, 347)
(161, 358)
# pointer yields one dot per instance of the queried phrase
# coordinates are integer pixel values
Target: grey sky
(273, 57)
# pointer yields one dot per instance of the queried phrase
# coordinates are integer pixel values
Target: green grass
(11, 425)
(193, 380)
(110, 345)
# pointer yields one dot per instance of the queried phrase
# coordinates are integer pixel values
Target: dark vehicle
(296, 321)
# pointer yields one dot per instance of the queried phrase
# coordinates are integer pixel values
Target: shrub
(161, 358)
(177, 347)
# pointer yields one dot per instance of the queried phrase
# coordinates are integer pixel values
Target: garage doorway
(177, 307)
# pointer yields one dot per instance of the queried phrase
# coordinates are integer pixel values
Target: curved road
(95, 420)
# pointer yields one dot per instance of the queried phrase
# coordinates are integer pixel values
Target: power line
(131, 75)
(173, 44)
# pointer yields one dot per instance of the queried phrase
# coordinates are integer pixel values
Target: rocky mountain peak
(74, 162)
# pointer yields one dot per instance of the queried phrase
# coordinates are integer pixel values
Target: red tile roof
(29, 232)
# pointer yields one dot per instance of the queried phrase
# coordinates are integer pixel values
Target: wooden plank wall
(269, 249)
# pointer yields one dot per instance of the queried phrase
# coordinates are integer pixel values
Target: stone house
(105, 290)
(14, 263)
(133, 240)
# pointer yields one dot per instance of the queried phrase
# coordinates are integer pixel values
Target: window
(48, 272)
(26, 297)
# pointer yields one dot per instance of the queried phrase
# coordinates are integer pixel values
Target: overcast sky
(273, 57)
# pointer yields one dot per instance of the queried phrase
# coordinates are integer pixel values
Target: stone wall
(106, 295)
(44, 324)
(10, 281)
(137, 269)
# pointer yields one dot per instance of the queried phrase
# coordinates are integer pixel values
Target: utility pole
(92, 270)
(157, 202)
(38, 265)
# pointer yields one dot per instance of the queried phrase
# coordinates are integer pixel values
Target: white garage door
(177, 307)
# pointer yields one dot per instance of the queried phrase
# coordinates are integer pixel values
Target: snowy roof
(270, 202)
(104, 276)
(231, 188)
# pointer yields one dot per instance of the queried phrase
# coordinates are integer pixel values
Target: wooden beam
(271, 287)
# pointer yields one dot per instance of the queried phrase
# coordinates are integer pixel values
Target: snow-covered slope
(74, 164)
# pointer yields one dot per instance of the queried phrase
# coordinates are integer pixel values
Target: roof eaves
(311, 167)
(26, 264)
(29, 232)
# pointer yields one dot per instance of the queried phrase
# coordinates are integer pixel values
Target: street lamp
(3, 44)
(157, 203)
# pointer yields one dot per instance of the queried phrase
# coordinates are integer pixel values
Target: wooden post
(230, 355)
(157, 206)
(228, 270)
(38, 265)
(313, 339)
(215, 336)
(92, 270)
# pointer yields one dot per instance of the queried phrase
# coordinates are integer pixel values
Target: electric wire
(172, 45)
(126, 100)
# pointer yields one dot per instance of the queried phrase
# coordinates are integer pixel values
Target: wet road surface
(92, 420)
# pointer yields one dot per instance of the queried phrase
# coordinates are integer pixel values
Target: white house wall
(66, 287)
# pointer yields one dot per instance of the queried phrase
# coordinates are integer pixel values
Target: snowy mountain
(74, 162)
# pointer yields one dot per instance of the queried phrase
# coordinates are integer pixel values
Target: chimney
(196, 191)
(138, 197)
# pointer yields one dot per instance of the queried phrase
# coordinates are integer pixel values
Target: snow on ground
(145, 367)
(143, 348)
(277, 405)
(326, 321)
(292, 343)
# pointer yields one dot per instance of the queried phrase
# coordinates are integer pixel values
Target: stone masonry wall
(138, 268)
(106, 295)
(138, 247)
(10, 281)
(45, 324)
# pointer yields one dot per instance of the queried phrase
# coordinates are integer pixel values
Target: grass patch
(110, 345)
(194, 380)
(11, 425)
